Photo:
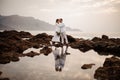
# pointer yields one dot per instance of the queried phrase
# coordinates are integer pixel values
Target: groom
(62, 32)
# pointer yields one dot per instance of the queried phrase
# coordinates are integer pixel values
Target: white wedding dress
(56, 38)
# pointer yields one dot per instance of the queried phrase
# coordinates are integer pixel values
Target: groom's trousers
(64, 36)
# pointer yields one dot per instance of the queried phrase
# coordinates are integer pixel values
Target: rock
(9, 56)
(71, 39)
(46, 50)
(42, 38)
(87, 66)
(31, 54)
(35, 45)
(0, 73)
(12, 41)
(23, 34)
(95, 39)
(113, 61)
(105, 37)
(106, 45)
(83, 45)
(23, 45)
(110, 70)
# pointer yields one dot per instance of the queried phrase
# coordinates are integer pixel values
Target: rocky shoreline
(14, 43)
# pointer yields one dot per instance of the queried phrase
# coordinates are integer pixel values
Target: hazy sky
(87, 15)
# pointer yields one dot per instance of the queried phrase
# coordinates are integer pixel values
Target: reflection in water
(42, 67)
(59, 58)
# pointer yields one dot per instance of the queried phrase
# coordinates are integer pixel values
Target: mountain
(25, 23)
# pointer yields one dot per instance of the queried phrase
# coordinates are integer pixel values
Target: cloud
(81, 11)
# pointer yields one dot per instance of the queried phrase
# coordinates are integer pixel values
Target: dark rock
(106, 45)
(110, 70)
(22, 46)
(96, 39)
(46, 50)
(42, 38)
(9, 56)
(113, 61)
(83, 45)
(71, 39)
(35, 45)
(105, 37)
(87, 66)
(23, 34)
(31, 54)
(12, 41)
(0, 73)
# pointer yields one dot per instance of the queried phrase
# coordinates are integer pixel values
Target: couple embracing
(60, 32)
(60, 37)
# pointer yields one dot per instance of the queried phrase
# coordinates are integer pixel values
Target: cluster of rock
(12, 44)
(104, 45)
(110, 70)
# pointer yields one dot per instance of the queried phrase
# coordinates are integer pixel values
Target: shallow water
(43, 67)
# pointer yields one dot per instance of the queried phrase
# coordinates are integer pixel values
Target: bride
(56, 37)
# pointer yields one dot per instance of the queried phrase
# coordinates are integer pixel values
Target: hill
(25, 23)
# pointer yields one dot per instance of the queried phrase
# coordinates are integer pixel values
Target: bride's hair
(57, 20)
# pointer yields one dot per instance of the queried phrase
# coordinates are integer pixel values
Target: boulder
(104, 37)
(12, 41)
(106, 44)
(46, 50)
(42, 38)
(24, 34)
(110, 70)
(84, 45)
(71, 39)
(9, 56)
(95, 39)
(87, 66)
(0, 73)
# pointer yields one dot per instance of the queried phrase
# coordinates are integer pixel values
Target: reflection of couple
(59, 58)
(60, 37)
